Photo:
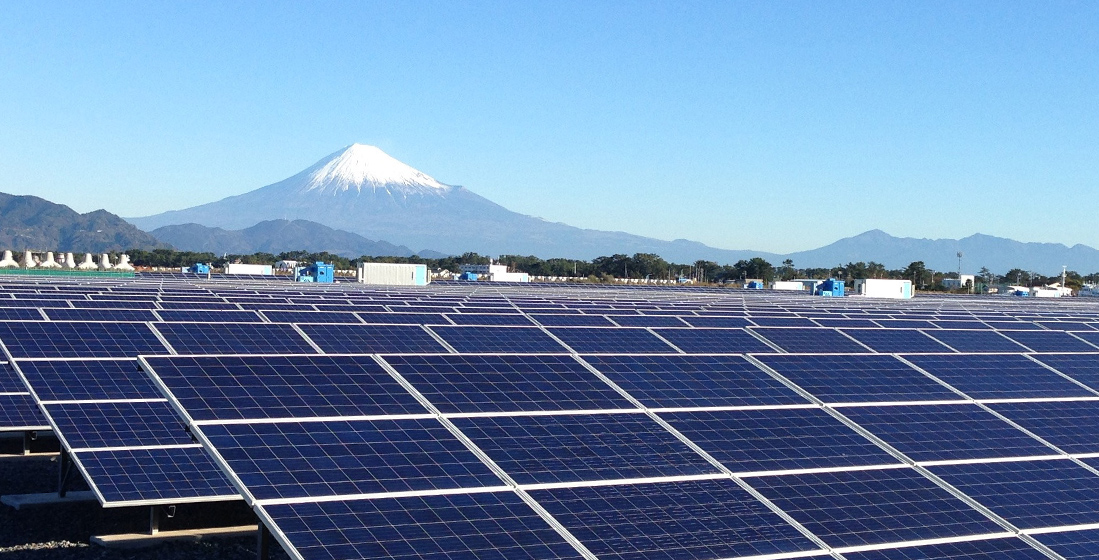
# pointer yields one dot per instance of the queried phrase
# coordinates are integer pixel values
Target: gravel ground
(63, 532)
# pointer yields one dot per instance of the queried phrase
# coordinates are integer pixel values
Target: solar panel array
(561, 421)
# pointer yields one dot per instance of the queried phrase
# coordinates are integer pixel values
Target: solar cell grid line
(976, 340)
(575, 448)
(21, 314)
(854, 378)
(114, 424)
(1013, 325)
(230, 388)
(1000, 547)
(188, 316)
(797, 340)
(457, 384)
(717, 322)
(1051, 341)
(1071, 545)
(371, 339)
(611, 340)
(714, 341)
(897, 341)
(101, 315)
(392, 318)
(1072, 426)
(764, 321)
(87, 379)
(946, 432)
(1031, 493)
(200, 305)
(905, 324)
(570, 320)
(873, 507)
(1006, 376)
(234, 338)
(485, 339)
(1091, 338)
(783, 439)
(48, 339)
(841, 322)
(19, 413)
(483, 525)
(646, 321)
(153, 476)
(311, 317)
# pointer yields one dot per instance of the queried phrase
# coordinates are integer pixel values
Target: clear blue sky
(744, 125)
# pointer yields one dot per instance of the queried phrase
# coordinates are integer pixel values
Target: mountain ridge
(31, 222)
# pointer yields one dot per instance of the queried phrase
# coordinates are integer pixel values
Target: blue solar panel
(1030, 494)
(109, 315)
(961, 324)
(499, 319)
(21, 314)
(1066, 326)
(1090, 337)
(10, 381)
(945, 432)
(483, 526)
(692, 520)
(611, 341)
(777, 439)
(975, 341)
(572, 320)
(310, 317)
(134, 475)
(1051, 341)
(1081, 367)
(999, 377)
(186, 316)
(714, 341)
(836, 379)
(507, 383)
(873, 506)
(716, 322)
(522, 340)
(647, 321)
(18, 412)
(1071, 425)
(905, 324)
(694, 381)
(783, 322)
(117, 424)
(79, 340)
(1073, 545)
(372, 339)
(816, 340)
(570, 448)
(234, 338)
(227, 387)
(404, 318)
(896, 341)
(71, 380)
(985, 549)
(203, 305)
(343, 458)
(845, 323)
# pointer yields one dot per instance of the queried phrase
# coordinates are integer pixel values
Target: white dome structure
(88, 263)
(28, 260)
(7, 261)
(124, 263)
(49, 262)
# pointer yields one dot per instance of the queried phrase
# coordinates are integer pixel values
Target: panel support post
(154, 520)
(28, 437)
(263, 542)
(64, 472)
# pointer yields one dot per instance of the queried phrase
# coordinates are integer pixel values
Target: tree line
(636, 266)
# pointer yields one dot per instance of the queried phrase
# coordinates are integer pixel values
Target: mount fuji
(363, 190)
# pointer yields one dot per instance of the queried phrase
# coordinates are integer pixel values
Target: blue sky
(762, 125)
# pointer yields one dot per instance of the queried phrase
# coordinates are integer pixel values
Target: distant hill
(996, 253)
(29, 222)
(277, 236)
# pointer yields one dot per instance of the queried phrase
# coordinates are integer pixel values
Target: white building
(955, 284)
(392, 274)
(495, 272)
(883, 288)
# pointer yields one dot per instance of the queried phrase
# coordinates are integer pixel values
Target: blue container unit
(468, 276)
(829, 288)
(199, 268)
(319, 272)
(753, 285)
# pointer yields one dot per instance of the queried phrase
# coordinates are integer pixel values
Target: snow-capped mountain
(362, 189)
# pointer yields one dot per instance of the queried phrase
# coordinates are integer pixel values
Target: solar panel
(1050, 341)
(1072, 545)
(168, 475)
(896, 341)
(777, 439)
(18, 412)
(1070, 425)
(702, 519)
(905, 324)
(10, 381)
(571, 320)
(282, 460)
(646, 321)
(498, 319)
(984, 549)
(187, 316)
(838, 379)
(694, 381)
(998, 377)
(571, 448)
(238, 387)
(1030, 494)
(782, 322)
(717, 322)
(845, 323)
(369, 339)
(943, 324)
(485, 525)
(234, 338)
(507, 383)
(108, 315)
(21, 314)
(592, 340)
(75, 380)
(714, 341)
(810, 340)
(869, 507)
(521, 340)
(76, 340)
(117, 424)
(1090, 337)
(196, 305)
(975, 341)
(1066, 326)
(1081, 367)
(945, 432)
(404, 318)
(310, 317)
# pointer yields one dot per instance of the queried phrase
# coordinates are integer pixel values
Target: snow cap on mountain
(360, 167)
